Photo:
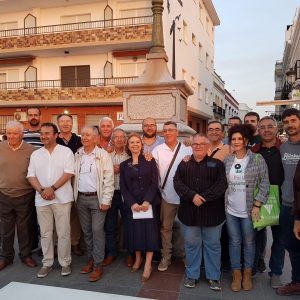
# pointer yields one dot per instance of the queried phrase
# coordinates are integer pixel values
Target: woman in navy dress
(139, 188)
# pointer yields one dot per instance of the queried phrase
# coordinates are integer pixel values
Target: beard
(34, 122)
(149, 135)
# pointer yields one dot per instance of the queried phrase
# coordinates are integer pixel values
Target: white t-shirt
(48, 168)
(237, 188)
(163, 156)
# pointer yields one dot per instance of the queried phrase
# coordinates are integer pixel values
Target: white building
(243, 110)
(68, 55)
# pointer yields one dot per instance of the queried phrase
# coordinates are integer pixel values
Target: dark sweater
(208, 179)
(74, 143)
(297, 192)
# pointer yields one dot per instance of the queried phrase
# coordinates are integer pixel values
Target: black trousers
(16, 212)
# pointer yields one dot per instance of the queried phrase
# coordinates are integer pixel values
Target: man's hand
(145, 206)
(297, 229)
(188, 141)
(136, 207)
(198, 200)
(48, 194)
(104, 207)
(187, 158)
(148, 156)
(116, 169)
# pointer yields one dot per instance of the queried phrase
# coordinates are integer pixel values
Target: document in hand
(143, 214)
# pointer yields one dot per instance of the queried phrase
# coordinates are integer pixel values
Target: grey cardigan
(256, 174)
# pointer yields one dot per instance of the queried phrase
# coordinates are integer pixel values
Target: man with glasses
(269, 149)
(163, 154)
(150, 137)
(201, 183)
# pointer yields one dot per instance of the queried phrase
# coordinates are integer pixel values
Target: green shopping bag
(269, 212)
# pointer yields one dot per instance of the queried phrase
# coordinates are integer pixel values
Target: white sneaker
(163, 265)
(65, 271)
(44, 271)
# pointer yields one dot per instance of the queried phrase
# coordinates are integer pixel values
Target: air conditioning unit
(20, 116)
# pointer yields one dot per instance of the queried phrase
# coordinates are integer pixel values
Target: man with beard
(150, 137)
(290, 155)
(32, 134)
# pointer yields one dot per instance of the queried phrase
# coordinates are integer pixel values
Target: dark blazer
(147, 182)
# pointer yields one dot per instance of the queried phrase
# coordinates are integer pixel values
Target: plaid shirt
(256, 175)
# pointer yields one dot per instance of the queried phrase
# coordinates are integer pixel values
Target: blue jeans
(111, 224)
(194, 238)
(292, 245)
(240, 231)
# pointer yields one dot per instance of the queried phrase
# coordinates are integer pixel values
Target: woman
(139, 188)
(247, 175)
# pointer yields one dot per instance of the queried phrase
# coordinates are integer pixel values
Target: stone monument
(155, 93)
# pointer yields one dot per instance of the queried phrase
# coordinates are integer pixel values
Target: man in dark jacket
(201, 183)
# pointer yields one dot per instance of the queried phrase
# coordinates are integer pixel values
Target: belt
(88, 194)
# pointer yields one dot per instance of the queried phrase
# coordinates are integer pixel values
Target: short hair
(132, 134)
(216, 122)
(14, 124)
(246, 131)
(290, 112)
(170, 123)
(118, 129)
(200, 135)
(34, 108)
(268, 118)
(62, 115)
(93, 128)
(147, 119)
(236, 118)
(252, 113)
(107, 119)
(49, 124)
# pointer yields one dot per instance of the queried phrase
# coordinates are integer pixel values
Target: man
(111, 223)
(163, 154)
(93, 191)
(235, 120)
(150, 137)
(290, 155)
(269, 149)
(32, 134)
(50, 170)
(106, 126)
(69, 139)
(252, 118)
(201, 183)
(297, 204)
(16, 197)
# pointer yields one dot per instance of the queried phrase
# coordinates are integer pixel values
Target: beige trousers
(46, 216)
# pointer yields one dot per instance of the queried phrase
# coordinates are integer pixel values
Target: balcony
(218, 110)
(84, 33)
(63, 92)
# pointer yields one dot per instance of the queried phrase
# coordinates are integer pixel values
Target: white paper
(143, 214)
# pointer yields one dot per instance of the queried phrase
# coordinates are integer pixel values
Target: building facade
(69, 55)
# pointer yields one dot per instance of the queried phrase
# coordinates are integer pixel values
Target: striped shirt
(117, 158)
(33, 138)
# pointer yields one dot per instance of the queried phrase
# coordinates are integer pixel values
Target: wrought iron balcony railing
(77, 26)
(88, 82)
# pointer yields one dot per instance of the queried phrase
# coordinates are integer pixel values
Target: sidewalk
(117, 279)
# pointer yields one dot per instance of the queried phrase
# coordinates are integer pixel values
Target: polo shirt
(48, 168)
(163, 156)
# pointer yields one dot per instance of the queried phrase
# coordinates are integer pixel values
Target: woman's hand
(136, 207)
(145, 206)
(255, 213)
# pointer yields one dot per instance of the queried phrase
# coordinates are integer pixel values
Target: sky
(247, 44)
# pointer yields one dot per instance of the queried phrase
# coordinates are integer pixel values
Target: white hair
(108, 119)
(15, 124)
(93, 128)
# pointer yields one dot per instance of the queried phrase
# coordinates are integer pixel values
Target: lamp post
(172, 31)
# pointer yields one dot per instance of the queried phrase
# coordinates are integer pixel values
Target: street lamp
(172, 31)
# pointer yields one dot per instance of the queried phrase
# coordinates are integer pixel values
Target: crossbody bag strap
(170, 166)
(214, 152)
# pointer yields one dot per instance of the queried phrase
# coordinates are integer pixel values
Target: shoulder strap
(214, 152)
(170, 166)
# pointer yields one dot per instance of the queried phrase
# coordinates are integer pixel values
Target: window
(183, 74)
(194, 39)
(185, 32)
(3, 80)
(207, 60)
(193, 82)
(93, 120)
(200, 48)
(200, 12)
(199, 91)
(129, 68)
(138, 12)
(206, 96)
(207, 25)
(72, 76)
(75, 18)
(8, 25)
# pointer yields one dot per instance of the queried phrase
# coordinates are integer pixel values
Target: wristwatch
(53, 188)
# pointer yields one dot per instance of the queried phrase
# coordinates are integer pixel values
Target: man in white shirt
(50, 170)
(163, 155)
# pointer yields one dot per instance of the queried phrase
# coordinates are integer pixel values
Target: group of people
(57, 186)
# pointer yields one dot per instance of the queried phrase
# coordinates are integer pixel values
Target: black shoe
(261, 266)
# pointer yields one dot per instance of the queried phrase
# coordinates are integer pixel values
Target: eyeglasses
(269, 127)
(149, 125)
(169, 130)
(195, 145)
(214, 129)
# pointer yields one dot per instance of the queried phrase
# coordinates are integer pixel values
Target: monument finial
(157, 31)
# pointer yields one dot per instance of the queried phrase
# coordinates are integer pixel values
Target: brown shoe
(108, 260)
(96, 274)
(76, 250)
(88, 268)
(247, 279)
(29, 262)
(289, 289)
(4, 263)
(129, 261)
(236, 284)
